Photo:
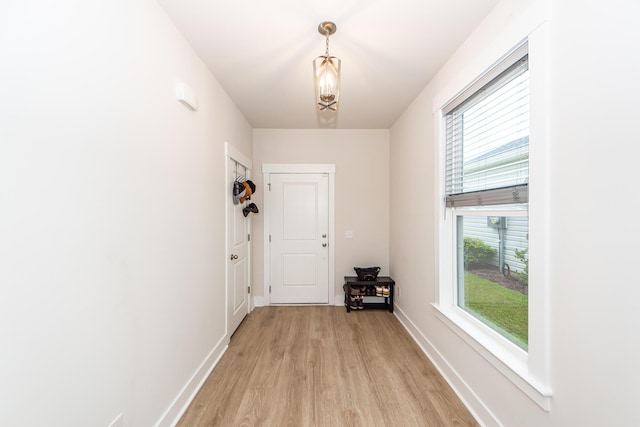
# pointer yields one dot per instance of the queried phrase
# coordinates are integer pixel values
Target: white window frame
(528, 370)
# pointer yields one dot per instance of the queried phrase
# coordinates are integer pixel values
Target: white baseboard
(258, 301)
(473, 403)
(182, 401)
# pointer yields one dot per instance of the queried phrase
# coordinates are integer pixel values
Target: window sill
(506, 357)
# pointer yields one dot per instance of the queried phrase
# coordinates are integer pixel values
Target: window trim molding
(529, 373)
(494, 71)
(506, 357)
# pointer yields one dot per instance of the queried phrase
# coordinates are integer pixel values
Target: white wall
(594, 306)
(362, 192)
(111, 213)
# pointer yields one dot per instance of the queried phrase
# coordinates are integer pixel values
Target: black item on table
(367, 273)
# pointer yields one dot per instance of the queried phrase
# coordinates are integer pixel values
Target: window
(494, 137)
(486, 191)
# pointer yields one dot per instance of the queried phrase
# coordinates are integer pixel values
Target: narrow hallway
(321, 366)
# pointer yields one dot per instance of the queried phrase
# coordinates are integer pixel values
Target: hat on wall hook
(251, 207)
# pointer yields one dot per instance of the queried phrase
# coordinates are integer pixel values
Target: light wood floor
(321, 366)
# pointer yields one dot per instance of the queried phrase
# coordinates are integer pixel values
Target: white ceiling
(261, 52)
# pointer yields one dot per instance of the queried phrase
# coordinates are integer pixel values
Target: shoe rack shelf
(367, 288)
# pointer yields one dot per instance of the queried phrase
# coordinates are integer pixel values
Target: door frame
(232, 153)
(298, 168)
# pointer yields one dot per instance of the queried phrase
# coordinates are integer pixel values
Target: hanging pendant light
(326, 70)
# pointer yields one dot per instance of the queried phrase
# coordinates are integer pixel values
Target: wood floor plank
(322, 366)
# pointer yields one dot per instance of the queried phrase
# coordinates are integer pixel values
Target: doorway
(299, 241)
(238, 168)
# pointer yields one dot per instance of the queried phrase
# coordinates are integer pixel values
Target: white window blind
(487, 140)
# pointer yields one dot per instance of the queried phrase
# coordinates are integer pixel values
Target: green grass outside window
(503, 309)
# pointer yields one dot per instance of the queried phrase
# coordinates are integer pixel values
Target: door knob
(234, 257)
(324, 245)
(324, 235)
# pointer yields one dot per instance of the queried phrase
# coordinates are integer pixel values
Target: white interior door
(299, 228)
(237, 252)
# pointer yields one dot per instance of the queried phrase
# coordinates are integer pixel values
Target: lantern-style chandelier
(326, 70)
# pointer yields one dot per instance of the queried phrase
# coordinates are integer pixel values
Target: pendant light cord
(326, 53)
